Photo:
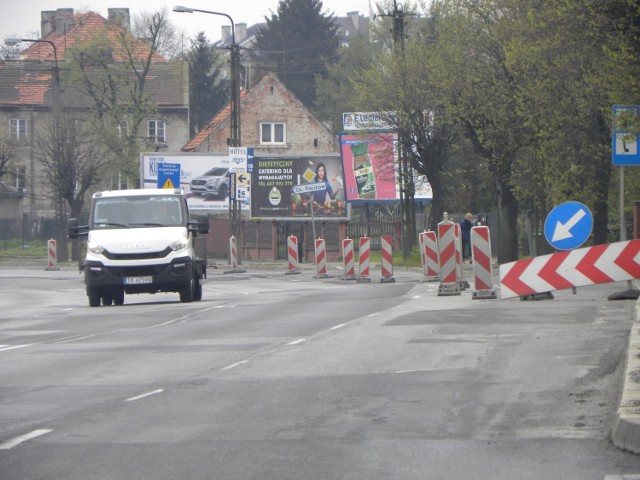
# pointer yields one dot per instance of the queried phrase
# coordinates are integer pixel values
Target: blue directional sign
(168, 175)
(568, 225)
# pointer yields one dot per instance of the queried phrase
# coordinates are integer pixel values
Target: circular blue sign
(568, 225)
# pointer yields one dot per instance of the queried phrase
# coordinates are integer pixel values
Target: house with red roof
(37, 81)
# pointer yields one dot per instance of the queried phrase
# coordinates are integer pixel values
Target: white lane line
(5, 348)
(23, 438)
(338, 326)
(144, 395)
(415, 297)
(234, 365)
(296, 342)
(373, 314)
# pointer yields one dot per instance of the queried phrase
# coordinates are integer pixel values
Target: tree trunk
(507, 222)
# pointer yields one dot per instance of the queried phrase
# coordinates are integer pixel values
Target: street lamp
(56, 106)
(235, 73)
(56, 69)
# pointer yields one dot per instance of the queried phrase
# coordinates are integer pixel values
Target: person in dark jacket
(465, 234)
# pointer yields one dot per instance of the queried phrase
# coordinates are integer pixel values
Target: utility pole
(405, 174)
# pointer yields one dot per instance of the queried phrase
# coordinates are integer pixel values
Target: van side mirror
(72, 228)
(203, 223)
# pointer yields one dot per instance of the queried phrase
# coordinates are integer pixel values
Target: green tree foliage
(296, 43)
(207, 94)
(336, 91)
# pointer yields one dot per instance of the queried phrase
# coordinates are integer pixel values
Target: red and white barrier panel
(612, 262)
(348, 258)
(481, 255)
(386, 247)
(364, 253)
(429, 255)
(52, 255)
(321, 258)
(447, 253)
(292, 254)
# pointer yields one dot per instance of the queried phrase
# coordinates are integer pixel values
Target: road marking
(148, 394)
(5, 348)
(338, 326)
(373, 314)
(234, 365)
(296, 342)
(23, 438)
(416, 370)
(415, 297)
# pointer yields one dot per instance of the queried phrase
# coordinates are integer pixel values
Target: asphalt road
(277, 376)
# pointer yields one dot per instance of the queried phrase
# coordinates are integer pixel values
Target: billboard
(289, 188)
(369, 162)
(203, 176)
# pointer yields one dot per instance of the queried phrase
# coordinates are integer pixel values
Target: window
(18, 128)
(156, 131)
(273, 133)
(17, 177)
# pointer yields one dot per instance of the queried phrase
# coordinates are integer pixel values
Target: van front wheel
(186, 293)
(94, 297)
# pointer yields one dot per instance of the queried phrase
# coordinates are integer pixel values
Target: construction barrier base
(52, 268)
(537, 296)
(349, 277)
(481, 294)
(387, 280)
(448, 289)
(431, 279)
(321, 275)
(364, 280)
(293, 271)
(631, 294)
(463, 284)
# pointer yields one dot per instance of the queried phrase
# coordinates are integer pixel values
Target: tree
(73, 160)
(112, 68)
(207, 94)
(296, 43)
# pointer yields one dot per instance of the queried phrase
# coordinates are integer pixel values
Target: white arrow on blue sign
(568, 225)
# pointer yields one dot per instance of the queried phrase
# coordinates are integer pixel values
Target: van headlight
(179, 245)
(95, 248)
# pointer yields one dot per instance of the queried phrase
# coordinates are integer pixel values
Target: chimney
(120, 17)
(64, 20)
(226, 33)
(355, 18)
(47, 21)
(241, 31)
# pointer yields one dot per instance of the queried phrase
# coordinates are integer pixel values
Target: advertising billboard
(203, 176)
(369, 163)
(290, 187)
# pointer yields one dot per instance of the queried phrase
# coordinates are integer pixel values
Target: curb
(626, 425)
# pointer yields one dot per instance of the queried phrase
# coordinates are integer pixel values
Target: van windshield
(137, 211)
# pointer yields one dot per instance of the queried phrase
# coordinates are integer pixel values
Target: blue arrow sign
(568, 225)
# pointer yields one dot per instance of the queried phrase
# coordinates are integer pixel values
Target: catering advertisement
(298, 188)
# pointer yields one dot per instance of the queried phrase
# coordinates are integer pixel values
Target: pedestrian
(465, 234)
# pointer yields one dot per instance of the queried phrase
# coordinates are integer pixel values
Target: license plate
(137, 280)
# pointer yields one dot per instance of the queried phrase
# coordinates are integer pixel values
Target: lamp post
(234, 141)
(235, 74)
(56, 106)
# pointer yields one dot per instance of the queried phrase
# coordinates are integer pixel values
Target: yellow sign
(168, 184)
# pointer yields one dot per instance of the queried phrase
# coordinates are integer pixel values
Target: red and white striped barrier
(52, 255)
(233, 252)
(429, 256)
(292, 254)
(364, 254)
(386, 247)
(447, 254)
(321, 258)
(348, 258)
(481, 255)
(611, 262)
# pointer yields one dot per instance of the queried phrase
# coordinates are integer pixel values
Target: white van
(142, 241)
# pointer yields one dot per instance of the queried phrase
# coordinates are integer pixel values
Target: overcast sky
(23, 19)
